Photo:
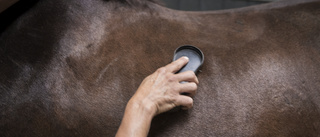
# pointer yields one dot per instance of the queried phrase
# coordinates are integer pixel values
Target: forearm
(136, 120)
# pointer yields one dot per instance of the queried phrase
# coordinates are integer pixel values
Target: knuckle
(148, 78)
(161, 70)
(191, 74)
(194, 86)
(171, 78)
(175, 88)
(174, 99)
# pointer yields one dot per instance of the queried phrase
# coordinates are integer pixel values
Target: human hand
(161, 91)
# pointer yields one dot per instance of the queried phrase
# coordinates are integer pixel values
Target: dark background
(201, 5)
(13, 12)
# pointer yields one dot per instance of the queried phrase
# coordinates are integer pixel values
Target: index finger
(177, 65)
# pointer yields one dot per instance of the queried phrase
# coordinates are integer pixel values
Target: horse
(68, 68)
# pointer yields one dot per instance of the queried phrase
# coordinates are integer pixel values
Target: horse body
(68, 68)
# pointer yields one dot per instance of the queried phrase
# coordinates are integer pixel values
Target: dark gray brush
(194, 54)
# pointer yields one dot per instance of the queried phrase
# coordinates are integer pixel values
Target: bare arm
(158, 93)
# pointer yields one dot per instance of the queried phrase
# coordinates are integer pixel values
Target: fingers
(177, 65)
(188, 89)
(188, 76)
(185, 101)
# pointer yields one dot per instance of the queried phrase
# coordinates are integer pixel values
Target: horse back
(71, 66)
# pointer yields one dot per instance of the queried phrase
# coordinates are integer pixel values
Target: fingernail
(186, 57)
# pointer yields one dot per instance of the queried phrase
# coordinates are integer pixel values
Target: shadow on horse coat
(68, 68)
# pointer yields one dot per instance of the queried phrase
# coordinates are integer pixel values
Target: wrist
(144, 106)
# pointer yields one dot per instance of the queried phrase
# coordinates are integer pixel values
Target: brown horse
(68, 68)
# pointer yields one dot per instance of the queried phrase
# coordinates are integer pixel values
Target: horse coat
(68, 68)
